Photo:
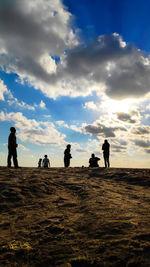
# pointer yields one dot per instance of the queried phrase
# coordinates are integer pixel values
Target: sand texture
(74, 217)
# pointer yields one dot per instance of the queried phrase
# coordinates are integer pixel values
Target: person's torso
(45, 162)
(12, 141)
(67, 153)
(94, 162)
(106, 148)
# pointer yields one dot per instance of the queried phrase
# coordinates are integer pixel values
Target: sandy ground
(74, 217)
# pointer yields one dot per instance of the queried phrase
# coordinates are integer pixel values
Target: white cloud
(38, 132)
(23, 147)
(3, 90)
(76, 128)
(43, 27)
(90, 105)
(32, 34)
(62, 124)
(148, 107)
(22, 104)
(42, 105)
(11, 100)
(47, 116)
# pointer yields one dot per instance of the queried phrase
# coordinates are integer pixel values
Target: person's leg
(105, 161)
(108, 161)
(9, 158)
(15, 159)
(66, 162)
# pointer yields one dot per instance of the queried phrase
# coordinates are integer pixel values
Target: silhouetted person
(105, 148)
(93, 161)
(12, 145)
(46, 162)
(67, 156)
(39, 163)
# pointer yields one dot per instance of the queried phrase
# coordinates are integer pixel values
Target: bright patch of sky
(75, 72)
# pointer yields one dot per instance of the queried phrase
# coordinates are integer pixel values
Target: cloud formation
(31, 33)
(142, 143)
(11, 100)
(117, 148)
(108, 64)
(3, 90)
(141, 130)
(99, 129)
(132, 117)
(30, 130)
(90, 105)
(34, 33)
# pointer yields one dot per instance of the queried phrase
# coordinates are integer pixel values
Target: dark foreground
(74, 217)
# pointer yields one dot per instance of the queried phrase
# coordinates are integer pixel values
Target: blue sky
(75, 72)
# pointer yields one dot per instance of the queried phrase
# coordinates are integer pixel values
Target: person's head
(106, 141)
(40, 159)
(69, 146)
(12, 129)
(45, 156)
(93, 155)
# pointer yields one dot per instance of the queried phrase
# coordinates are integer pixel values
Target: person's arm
(48, 163)
(10, 140)
(89, 162)
(15, 141)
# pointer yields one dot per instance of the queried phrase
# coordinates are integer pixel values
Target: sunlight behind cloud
(114, 106)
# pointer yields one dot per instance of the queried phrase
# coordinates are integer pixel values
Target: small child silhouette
(39, 163)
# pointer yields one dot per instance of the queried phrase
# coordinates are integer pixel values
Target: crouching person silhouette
(46, 162)
(12, 148)
(67, 156)
(93, 161)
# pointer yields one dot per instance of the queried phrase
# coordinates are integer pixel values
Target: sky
(75, 72)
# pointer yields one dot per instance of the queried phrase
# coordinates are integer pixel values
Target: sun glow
(125, 105)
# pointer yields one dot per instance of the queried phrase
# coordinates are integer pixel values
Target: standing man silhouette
(105, 148)
(67, 156)
(12, 148)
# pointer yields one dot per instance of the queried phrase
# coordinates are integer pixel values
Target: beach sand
(74, 217)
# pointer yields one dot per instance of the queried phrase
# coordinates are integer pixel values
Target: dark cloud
(120, 67)
(130, 78)
(122, 142)
(102, 130)
(141, 130)
(142, 143)
(118, 148)
(126, 117)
